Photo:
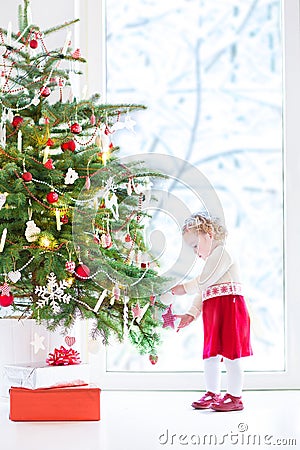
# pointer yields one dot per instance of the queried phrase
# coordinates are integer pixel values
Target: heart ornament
(14, 276)
(70, 340)
(70, 266)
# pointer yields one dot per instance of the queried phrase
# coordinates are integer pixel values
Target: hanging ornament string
(59, 192)
(125, 317)
(34, 197)
(44, 80)
(83, 304)
(30, 261)
(53, 189)
(91, 138)
(140, 279)
(138, 218)
(7, 155)
(33, 257)
(41, 37)
(21, 268)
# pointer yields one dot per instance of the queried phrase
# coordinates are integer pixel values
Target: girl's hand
(185, 320)
(178, 290)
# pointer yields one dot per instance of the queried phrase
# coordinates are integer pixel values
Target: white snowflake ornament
(71, 176)
(53, 294)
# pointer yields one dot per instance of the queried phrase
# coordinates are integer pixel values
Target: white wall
(87, 35)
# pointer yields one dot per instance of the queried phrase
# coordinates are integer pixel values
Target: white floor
(164, 420)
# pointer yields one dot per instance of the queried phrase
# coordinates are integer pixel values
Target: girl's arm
(196, 307)
(192, 314)
(178, 290)
(185, 320)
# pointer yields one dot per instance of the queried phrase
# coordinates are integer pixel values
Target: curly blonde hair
(202, 222)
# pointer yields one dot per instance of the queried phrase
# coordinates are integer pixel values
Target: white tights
(235, 375)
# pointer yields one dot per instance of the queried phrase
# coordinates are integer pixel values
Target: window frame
(94, 49)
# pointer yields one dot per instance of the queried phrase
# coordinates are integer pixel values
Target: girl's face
(200, 242)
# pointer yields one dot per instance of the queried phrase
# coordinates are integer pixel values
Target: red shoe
(228, 403)
(206, 401)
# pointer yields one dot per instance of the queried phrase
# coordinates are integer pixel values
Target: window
(211, 76)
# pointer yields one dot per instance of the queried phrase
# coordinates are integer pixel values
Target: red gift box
(69, 403)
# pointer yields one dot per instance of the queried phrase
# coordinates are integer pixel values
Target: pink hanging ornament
(152, 299)
(127, 238)
(70, 340)
(108, 240)
(136, 311)
(153, 359)
(87, 183)
(76, 54)
(168, 318)
(93, 119)
(116, 292)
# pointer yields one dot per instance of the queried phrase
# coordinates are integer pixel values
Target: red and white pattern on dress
(218, 290)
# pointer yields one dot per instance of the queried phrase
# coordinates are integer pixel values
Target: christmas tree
(71, 229)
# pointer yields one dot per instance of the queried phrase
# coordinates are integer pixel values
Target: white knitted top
(220, 267)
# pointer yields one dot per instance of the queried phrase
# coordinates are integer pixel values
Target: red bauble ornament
(64, 219)
(52, 197)
(127, 238)
(27, 176)
(17, 120)
(33, 43)
(82, 272)
(76, 128)
(153, 359)
(45, 91)
(6, 300)
(64, 146)
(71, 145)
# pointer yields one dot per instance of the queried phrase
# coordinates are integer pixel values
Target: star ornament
(37, 343)
(136, 311)
(168, 318)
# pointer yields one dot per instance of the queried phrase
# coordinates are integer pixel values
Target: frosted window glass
(210, 73)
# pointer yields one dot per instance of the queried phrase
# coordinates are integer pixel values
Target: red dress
(226, 327)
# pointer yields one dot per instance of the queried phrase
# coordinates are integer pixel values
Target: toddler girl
(225, 317)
